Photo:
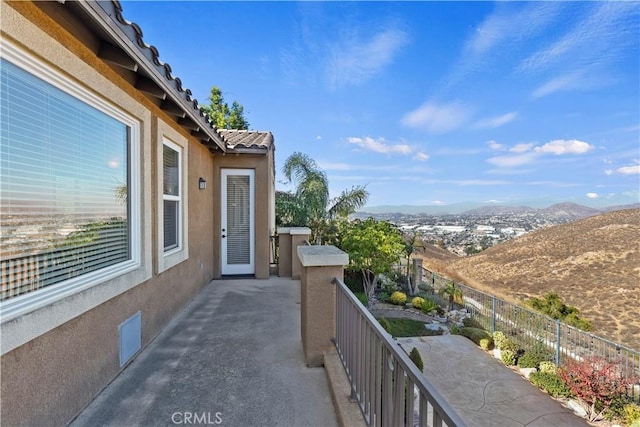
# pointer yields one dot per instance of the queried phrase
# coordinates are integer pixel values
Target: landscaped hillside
(593, 264)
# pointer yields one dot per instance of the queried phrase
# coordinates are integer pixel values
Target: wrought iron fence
(388, 387)
(530, 330)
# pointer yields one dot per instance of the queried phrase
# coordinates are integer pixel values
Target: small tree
(373, 248)
(221, 115)
(453, 292)
(596, 382)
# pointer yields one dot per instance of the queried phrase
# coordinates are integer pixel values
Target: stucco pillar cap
(300, 231)
(322, 256)
(283, 230)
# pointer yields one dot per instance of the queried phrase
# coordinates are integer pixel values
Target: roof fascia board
(105, 12)
(247, 150)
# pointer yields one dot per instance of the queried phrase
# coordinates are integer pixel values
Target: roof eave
(107, 14)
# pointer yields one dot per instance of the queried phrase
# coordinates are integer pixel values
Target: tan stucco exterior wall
(263, 166)
(49, 379)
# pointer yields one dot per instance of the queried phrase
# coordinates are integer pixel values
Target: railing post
(493, 309)
(558, 335)
(320, 265)
(299, 237)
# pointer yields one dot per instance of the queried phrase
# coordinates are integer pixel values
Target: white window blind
(64, 185)
(238, 219)
(171, 194)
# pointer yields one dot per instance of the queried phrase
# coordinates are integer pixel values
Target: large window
(67, 183)
(172, 195)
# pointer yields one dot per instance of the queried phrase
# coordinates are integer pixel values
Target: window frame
(167, 136)
(28, 316)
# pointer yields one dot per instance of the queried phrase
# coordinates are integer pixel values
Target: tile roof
(158, 69)
(246, 138)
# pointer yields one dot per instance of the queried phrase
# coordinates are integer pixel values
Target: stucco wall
(49, 379)
(263, 194)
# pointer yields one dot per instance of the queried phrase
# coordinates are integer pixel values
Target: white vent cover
(130, 337)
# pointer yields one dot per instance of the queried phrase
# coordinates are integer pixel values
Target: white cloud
(522, 147)
(526, 153)
(592, 195)
(379, 145)
(510, 161)
(502, 32)
(597, 37)
(494, 145)
(353, 61)
(564, 146)
(572, 81)
(629, 170)
(435, 118)
(608, 172)
(495, 122)
(421, 156)
(318, 138)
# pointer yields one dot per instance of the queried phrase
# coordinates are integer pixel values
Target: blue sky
(426, 103)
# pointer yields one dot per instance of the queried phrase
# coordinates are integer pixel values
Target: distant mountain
(569, 211)
(566, 210)
(592, 263)
(455, 208)
(500, 210)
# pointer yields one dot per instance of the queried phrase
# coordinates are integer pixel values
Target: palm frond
(348, 202)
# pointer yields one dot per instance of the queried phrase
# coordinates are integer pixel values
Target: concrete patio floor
(232, 357)
(482, 390)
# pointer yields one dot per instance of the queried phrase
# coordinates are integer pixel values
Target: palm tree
(411, 243)
(311, 198)
(454, 293)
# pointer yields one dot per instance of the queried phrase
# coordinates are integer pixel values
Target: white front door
(238, 221)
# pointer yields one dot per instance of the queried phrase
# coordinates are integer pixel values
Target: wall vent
(130, 337)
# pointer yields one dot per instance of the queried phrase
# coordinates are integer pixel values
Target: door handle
(223, 236)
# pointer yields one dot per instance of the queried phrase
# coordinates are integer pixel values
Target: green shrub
(553, 306)
(509, 357)
(548, 367)
(387, 284)
(498, 339)
(486, 343)
(532, 358)
(616, 410)
(415, 357)
(383, 296)
(476, 334)
(429, 305)
(362, 297)
(417, 302)
(509, 352)
(631, 414)
(398, 298)
(385, 324)
(471, 323)
(551, 383)
(455, 329)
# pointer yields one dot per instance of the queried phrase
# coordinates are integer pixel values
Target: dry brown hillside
(593, 264)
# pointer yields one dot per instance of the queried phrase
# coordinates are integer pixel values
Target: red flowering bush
(596, 382)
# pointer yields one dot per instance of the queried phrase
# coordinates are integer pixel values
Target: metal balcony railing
(385, 383)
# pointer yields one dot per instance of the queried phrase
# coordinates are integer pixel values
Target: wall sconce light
(202, 184)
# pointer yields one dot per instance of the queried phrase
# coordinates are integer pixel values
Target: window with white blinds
(65, 183)
(171, 195)
(238, 219)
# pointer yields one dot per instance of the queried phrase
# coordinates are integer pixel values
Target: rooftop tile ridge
(155, 54)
